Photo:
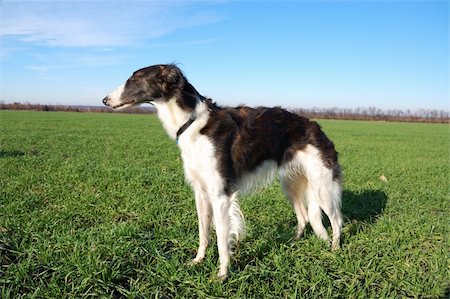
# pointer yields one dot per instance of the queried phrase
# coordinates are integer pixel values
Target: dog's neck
(173, 116)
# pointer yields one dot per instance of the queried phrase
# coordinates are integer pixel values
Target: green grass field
(95, 205)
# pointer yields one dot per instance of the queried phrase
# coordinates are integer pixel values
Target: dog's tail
(237, 222)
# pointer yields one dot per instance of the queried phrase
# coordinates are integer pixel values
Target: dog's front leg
(204, 213)
(221, 205)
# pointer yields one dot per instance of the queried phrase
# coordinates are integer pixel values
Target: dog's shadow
(365, 206)
(361, 208)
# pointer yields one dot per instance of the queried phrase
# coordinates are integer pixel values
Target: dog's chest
(199, 162)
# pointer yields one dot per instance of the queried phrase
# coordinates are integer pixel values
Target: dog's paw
(299, 233)
(221, 277)
(218, 279)
(298, 236)
(195, 261)
(335, 246)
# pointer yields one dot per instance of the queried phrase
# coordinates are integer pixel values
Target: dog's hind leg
(327, 197)
(330, 202)
(294, 188)
(204, 213)
(315, 214)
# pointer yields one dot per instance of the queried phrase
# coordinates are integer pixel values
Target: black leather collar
(186, 125)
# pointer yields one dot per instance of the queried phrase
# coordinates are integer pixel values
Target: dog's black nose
(105, 101)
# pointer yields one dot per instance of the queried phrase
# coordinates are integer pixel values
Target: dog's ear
(169, 77)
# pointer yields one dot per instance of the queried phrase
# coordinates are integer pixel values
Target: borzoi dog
(230, 151)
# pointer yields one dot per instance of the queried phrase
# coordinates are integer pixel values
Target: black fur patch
(245, 137)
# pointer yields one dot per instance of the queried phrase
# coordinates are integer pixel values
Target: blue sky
(387, 54)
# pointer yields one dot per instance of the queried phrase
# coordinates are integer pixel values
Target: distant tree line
(370, 113)
(67, 108)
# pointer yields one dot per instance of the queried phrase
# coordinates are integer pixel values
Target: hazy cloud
(98, 23)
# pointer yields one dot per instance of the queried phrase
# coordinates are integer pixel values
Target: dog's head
(157, 83)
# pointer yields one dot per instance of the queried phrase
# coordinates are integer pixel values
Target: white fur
(115, 98)
(171, 116)
(237, 222)
(258, 178)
